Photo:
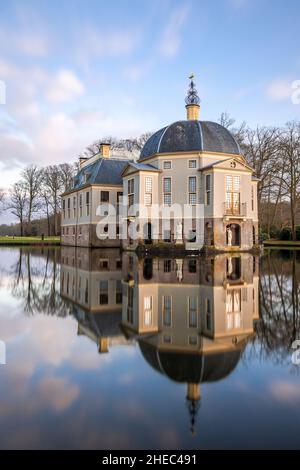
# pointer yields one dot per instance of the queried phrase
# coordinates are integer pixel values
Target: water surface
(110, 351)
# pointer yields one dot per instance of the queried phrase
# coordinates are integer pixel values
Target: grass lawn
(29, 241)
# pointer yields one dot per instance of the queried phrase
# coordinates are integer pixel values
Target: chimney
(82, 160)
(105, 149)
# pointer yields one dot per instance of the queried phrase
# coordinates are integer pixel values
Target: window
(74, 207)
(167, 236)
(80, 205)
(64, 208)
(130, 305)
(103, 293)
(167, 190)
(193, 340)
(87, 201)
(167, 339)
(148, 191)
(208, 314)
(130, 192)
(167, 165)
(167, 310)
(86, 292)
(80, 231)
(148, 311)
(192, 266)
(207, 190)
(104, 196)
(63, 231)
(233, 308)
(69, 207)
(192, 190)
(167, 265)
(232, 194)
(192, 306)
(103, 265)
(119, 264)
(119, 292)
(119, 201)
(192, 163)
(252, 198)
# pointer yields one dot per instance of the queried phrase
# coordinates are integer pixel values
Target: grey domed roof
(187, 136)
(191, 367)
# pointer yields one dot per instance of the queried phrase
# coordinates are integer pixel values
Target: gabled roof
(102, 171)
(140, 167)
(220, 162)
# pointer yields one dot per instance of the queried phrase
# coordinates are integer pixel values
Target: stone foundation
(215, 237)
(86, 236)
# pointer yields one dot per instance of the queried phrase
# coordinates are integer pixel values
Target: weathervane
(192, 94)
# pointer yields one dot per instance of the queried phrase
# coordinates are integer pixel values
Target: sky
(72, 72)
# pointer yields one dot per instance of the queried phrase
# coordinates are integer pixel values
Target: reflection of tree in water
(36, 281)
(279, 320)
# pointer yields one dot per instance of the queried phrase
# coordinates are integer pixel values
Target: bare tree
(53, 187)
(68, 172)
(18, 203)
(130, 147)
(289, 156)
(2, 198)
(31, 177)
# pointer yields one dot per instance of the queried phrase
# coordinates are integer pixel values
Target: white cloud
(286, 392)
(136, 72)
(64, 87)
(279, 90)
(94, 43)
(170, 41)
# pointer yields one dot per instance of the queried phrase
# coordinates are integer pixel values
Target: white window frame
(148, 191)
(171, 311)
(208, 192)
(167, 193)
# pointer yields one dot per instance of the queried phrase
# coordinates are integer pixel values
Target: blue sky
(78, 70)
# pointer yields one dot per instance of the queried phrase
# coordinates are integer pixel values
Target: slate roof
(187, 136)
(142, 167)
(102, 171)
(191, 367)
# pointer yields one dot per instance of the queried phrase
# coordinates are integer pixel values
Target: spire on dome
(192, 101)
(192, 94)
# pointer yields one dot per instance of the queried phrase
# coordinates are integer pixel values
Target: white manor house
(191, 164)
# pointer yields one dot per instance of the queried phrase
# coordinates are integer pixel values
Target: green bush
(263, 236)
(298, 232)
(274, 232)
(286, 233)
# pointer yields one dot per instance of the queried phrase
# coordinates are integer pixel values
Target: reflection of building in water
(191, 316)
(91, 280)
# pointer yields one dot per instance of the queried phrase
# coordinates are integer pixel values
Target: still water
(107, 351)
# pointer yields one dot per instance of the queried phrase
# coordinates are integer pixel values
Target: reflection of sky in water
(57, 391)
